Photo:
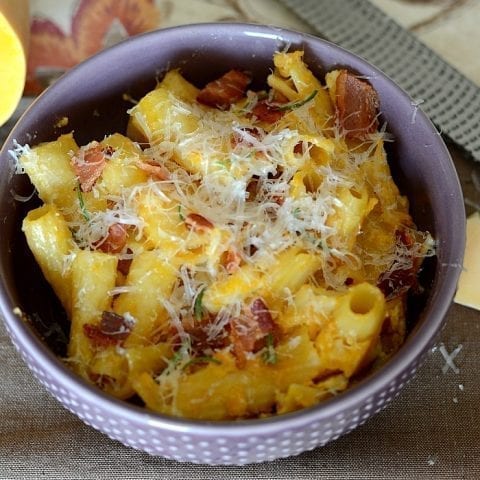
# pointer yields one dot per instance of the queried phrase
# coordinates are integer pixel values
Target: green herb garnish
(296, 212)
(179, 355)
(81, 202)
(198, 305)
(202, 359)
(297, 104)
(269, 354)
(180, 214)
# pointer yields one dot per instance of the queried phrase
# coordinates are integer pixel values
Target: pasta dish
(236, 253)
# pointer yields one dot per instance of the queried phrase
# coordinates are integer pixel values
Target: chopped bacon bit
(242, 343)
(113, 330)
(356, 105)
(301, 147)
(247, 334)
(123, 264)
(251, 249)
(93, 333)
(278, 199)
(397, 281)
(111, 204)
(88, 164)
(394, 283)
(232, 260)
(199, 334)
(108, 150)
(154, 169)
(115, 240)
(262, 316)
(224, 91)
(405, 237)
(252, 188)
(114, 324)
(298, 148)
(275, 175)
(265, 112)
(197, 223)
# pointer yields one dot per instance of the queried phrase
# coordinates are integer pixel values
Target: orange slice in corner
(14, 33)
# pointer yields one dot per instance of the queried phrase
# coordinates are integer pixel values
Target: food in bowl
(93, 96)
(239, 253)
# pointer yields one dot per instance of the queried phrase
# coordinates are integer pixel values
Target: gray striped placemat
(450, 99)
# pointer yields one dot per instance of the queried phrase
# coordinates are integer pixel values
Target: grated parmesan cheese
(16, 154)
(257, 192)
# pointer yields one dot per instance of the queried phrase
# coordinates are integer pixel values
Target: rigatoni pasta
(238, 253)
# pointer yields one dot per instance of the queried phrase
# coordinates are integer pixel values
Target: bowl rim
(350, 399)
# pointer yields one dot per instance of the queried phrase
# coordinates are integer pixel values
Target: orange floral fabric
(53, 51)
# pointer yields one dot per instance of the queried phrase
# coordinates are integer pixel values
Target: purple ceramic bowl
(91, 97)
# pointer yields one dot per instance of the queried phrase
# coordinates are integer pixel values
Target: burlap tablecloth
(431, 431)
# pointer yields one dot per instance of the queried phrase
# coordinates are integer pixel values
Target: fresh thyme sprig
(180, 214)
(81, 201)
(198, 305)
(202, 359)
(298, 103)
(269, 355)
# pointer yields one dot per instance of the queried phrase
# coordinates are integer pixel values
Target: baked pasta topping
(237, 253)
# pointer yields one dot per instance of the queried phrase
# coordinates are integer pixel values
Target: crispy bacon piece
(112, 330)
(242, 343)
(201, 341)
(248, 333)
(232, 260)
(108, 150)
(123, 264)
(262, 316)
(88, 164)
(115, 240)
(114, 324)
(197, 223)
(298, 148)
(154, 169)
(253, 188)
(398, 280)
(278, 199)
(224, 91)
(265, 112)
(394, 283)
(356, 105)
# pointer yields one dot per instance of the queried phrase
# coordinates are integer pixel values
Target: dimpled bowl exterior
(91, 97)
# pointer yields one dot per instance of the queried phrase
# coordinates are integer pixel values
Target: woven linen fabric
(447, 97)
